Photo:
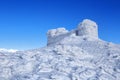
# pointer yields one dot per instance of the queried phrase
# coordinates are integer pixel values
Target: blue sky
(24, 23)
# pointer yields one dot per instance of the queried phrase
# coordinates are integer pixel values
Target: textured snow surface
(70, 57)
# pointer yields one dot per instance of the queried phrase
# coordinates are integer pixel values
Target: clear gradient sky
(24, 23)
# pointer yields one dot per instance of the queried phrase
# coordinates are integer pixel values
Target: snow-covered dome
(87, 28)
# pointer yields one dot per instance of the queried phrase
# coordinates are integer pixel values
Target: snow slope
(69, 55)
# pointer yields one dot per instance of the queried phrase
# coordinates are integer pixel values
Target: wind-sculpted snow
(61, 62)
(71, 58)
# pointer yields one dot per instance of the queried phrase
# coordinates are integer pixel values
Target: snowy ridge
(8, 50)
(67, 56)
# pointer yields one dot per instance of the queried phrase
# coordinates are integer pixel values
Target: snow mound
(70, 55)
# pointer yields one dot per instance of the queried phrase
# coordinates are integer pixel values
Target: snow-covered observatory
(86, 29)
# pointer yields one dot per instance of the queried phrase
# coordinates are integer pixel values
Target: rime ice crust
(56, 32)
(88, 28)
(55, 35)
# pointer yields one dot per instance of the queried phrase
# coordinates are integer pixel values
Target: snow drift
(69, 55)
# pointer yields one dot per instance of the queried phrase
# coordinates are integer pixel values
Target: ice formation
(69, 55)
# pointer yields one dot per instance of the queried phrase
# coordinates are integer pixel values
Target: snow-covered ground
(69, 55)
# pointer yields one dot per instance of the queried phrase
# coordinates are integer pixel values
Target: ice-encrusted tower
(87, 28)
